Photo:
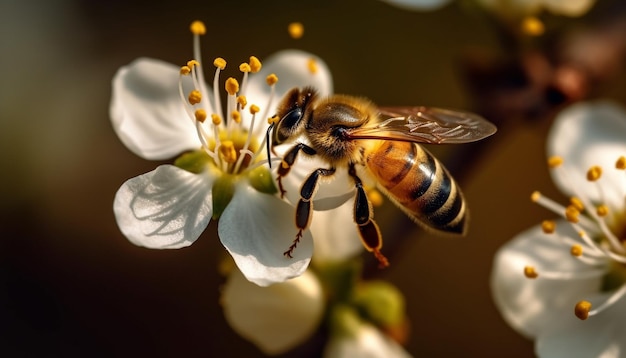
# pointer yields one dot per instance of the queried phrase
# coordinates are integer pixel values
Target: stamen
(273, 120)
(312, 65)
(594, 173)
(255, 64)
(548, 226)
(227, 151)
(220, 63)
(583, 310)
(197, 28)
(557, 208)
(532, 26)
(554, 161)
(217, 120)
(572, 214)
(242, 101)
(185, 70)
(254, 109)
(576, 250)
(195, 97)
(244, 67)
(529, 272)
(621, 163)
(232, 86)
(602, 210)
(577, 203)
(200, 115)
(236, 116)
(271, 79)
(296, 30)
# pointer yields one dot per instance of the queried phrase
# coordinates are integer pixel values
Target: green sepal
(223, 191)
(344, 321)
(194, 162)
(261, 179)
(381, 303)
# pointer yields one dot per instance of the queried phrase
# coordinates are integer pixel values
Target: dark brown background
(72, 285)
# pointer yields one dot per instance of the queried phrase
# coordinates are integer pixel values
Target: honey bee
(347, 131)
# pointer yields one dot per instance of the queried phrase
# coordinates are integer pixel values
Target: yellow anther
(242, 101)
(254, 109)
(571, 214)
(312, 65)
(594, 173)
(582, 309)
(284, 165)
(185, 70)
(216, 119)
(271, 79)
(192, 63)
(535, 196)
(227, 151)
(529, 272)
(621, 163)
(554, 161)
(197, 28)
(236, 116)
(244, 67)
(375, 197)
(602, 210)
(232, 86)
(219, 63)
(296, 30)
(195, 97)
(273, 120)
(577, 203)
(548, 226)
(200, 115)
(532, 26)
(255, 64)
(576, 250)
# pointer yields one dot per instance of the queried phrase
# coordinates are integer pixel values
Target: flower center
(229, 141)
(600, 242)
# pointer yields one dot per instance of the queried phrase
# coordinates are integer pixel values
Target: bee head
(292, 113)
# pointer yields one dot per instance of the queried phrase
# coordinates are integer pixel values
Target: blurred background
(72, 285)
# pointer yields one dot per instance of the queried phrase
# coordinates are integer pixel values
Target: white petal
(335, 234)
(533, 305)
(256, 229)
(166, 208)
(275, 318)
(418, 5)
(569, 7)
(292, 69)
(369, 342)
(603, 336)
(587, 134)
(147, 112)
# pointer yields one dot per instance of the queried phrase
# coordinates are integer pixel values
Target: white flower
(576, 265)
(418, 5)
(571, 8)
(158, 110)
(275, 318)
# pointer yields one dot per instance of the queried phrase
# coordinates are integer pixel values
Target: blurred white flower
(571, 8)
(159, 110)
(418, 5)
(576, 266)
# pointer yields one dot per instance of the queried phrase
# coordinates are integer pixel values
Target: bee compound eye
(289, 124)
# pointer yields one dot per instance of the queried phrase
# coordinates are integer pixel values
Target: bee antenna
(267, 145)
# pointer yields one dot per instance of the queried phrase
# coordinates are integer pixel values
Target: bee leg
(287, 163)
(363, 217)
(304, 209)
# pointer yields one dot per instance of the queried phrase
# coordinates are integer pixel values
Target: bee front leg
(363, 217)
(304, 209)
(287, 163)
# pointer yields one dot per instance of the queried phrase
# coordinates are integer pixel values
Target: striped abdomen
(419, 184)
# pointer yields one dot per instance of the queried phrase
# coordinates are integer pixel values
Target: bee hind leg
(287, 163)
(363, 217)
(304, 209)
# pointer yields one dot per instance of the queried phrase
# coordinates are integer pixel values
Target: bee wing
(426, 125)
